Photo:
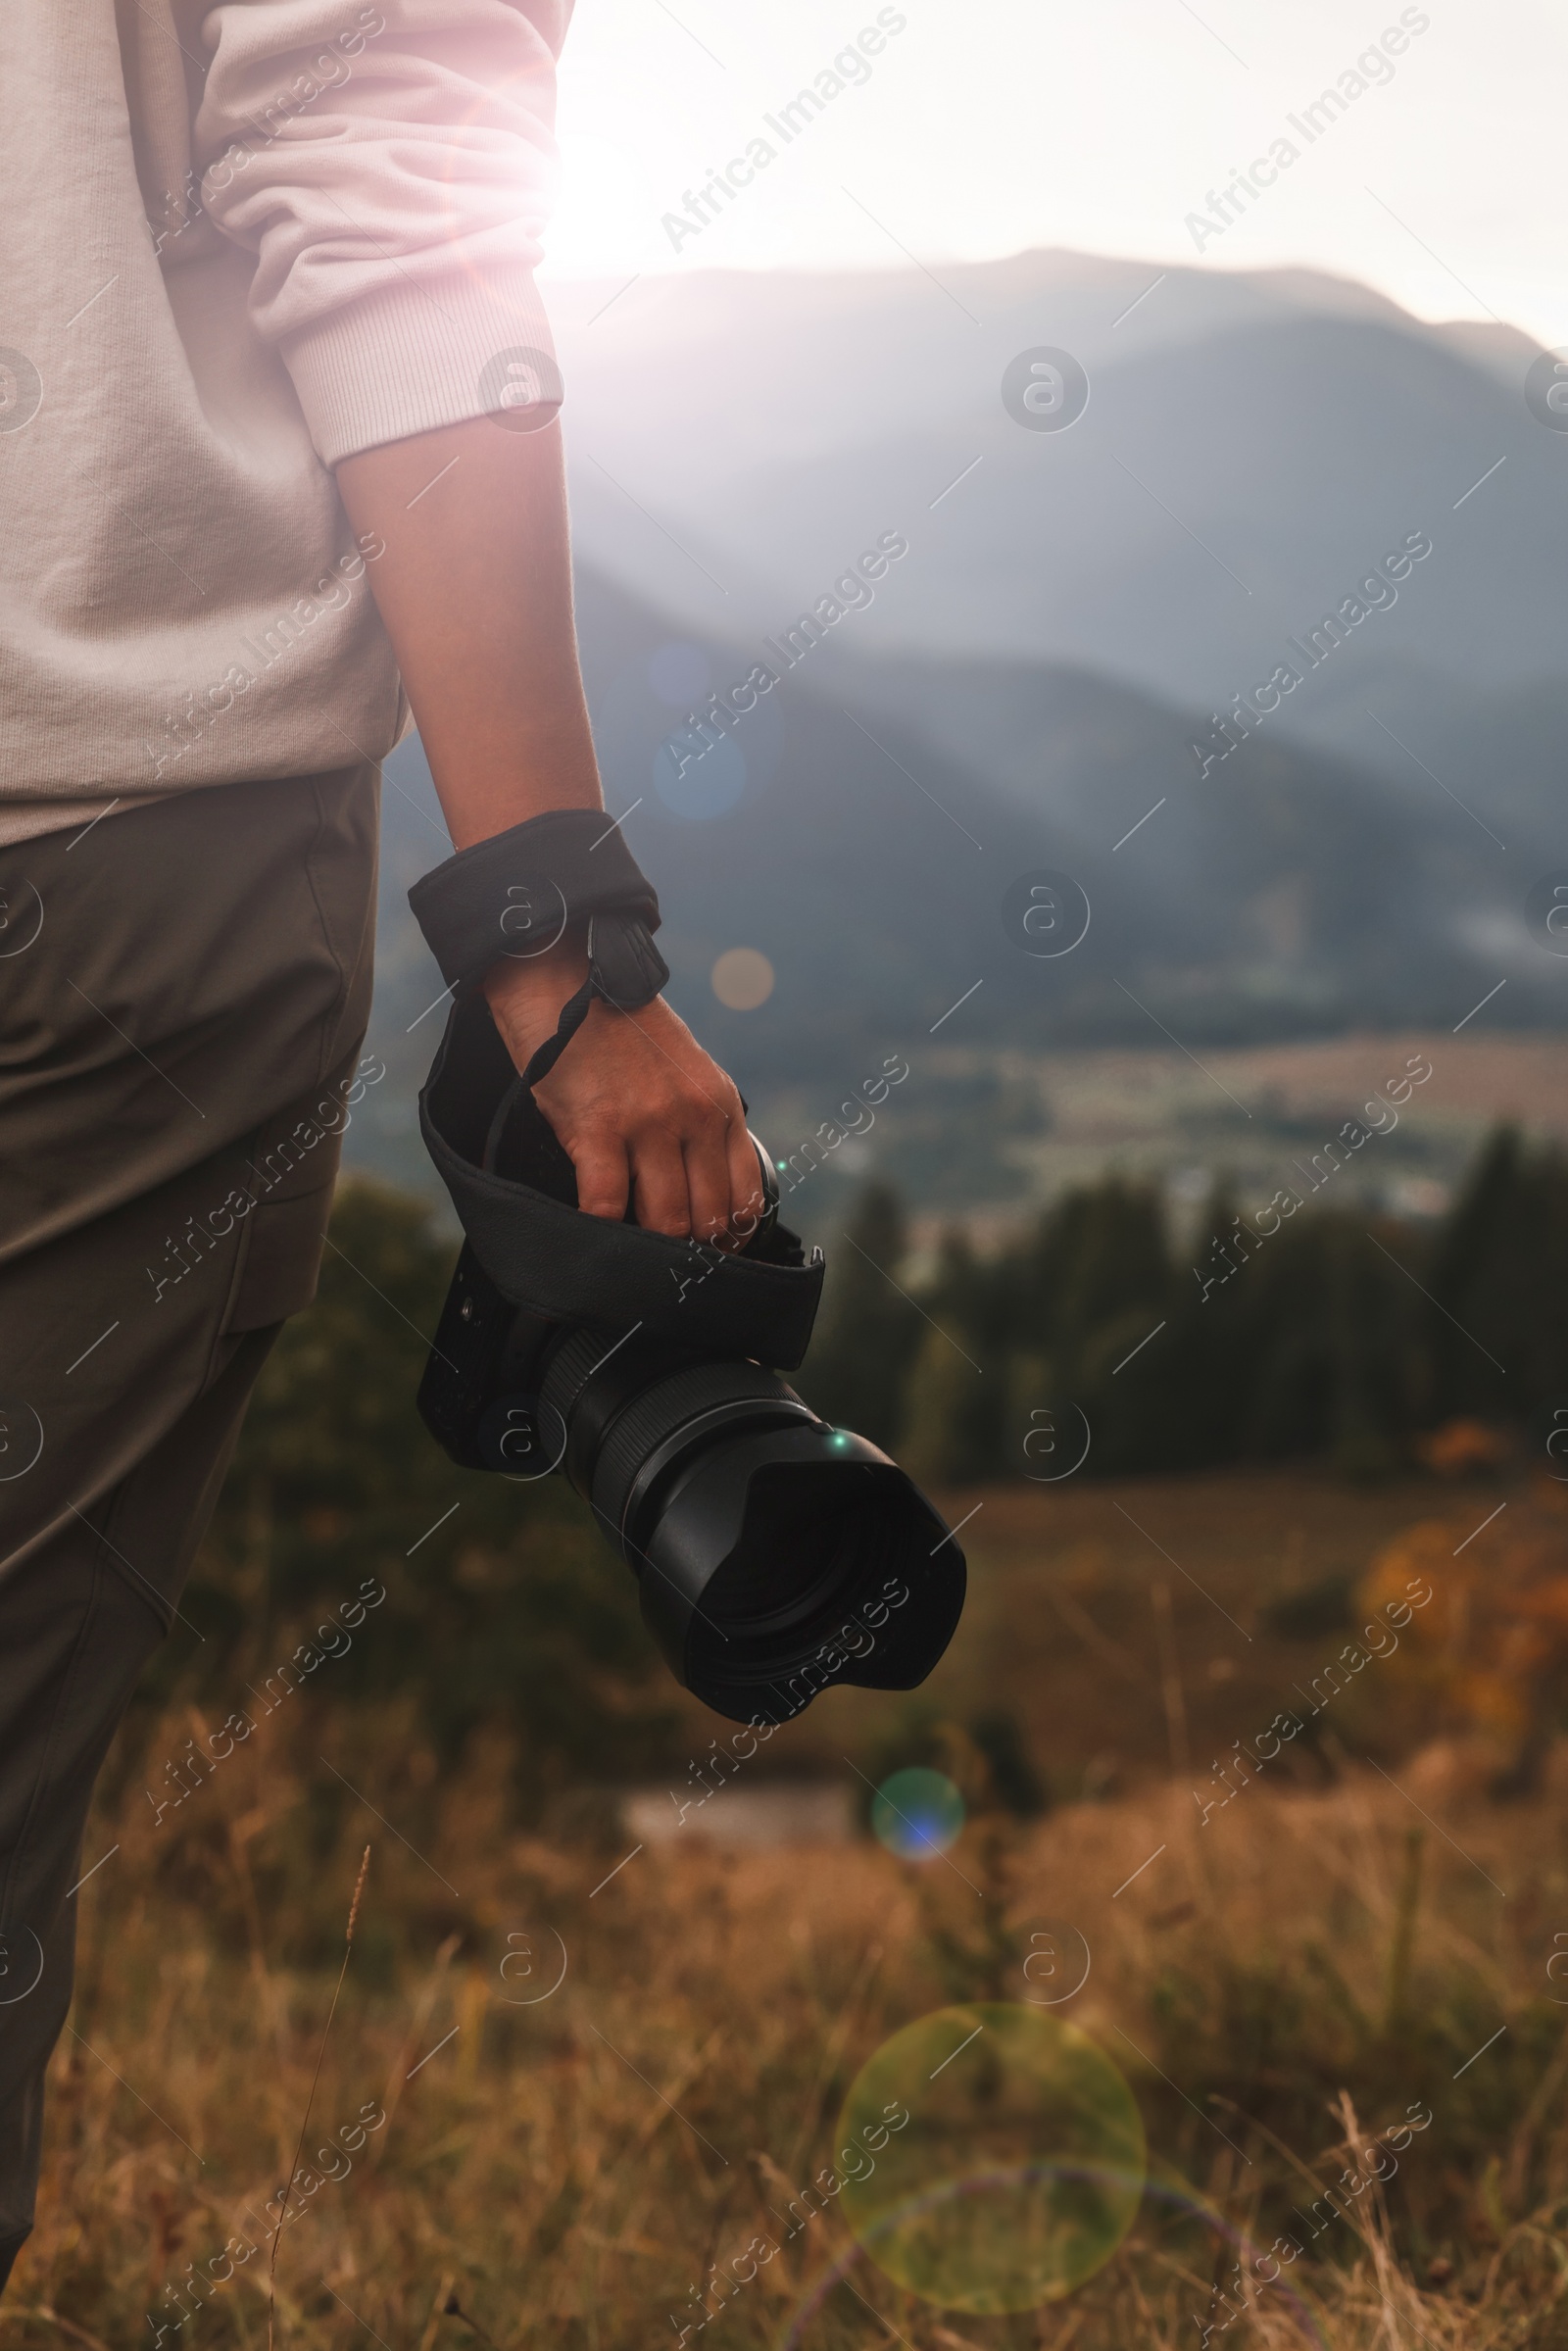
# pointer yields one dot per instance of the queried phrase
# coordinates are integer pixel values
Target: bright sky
(987, 126)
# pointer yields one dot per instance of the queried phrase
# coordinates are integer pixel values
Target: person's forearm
(476, 590)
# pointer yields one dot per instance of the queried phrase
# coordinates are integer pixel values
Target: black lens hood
(883, 1625)
(541, 1253)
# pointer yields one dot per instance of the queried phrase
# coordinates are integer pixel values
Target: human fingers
(659, 1187)
(708, 1183)
(599, 1160)
(745, 1180)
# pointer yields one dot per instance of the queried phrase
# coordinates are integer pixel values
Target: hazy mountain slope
(1283, 893)
(776, 422)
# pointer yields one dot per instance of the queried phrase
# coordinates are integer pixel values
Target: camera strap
(518, 893)
(624, 967)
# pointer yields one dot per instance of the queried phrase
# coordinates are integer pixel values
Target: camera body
(775, 1554)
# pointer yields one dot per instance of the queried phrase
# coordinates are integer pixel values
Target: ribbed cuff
(409, 358)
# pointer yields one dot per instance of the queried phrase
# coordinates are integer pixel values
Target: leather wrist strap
(516, 895)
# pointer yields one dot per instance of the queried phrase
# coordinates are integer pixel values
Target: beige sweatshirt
(238, 243)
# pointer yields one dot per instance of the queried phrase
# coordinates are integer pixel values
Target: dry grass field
(568, 2085)
(1137, 1626)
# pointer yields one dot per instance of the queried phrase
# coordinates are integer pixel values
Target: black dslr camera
(774, 1555)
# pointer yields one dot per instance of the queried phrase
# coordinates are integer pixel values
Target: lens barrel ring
(662, 1411)
(572, 1366)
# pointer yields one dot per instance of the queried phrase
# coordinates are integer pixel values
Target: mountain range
(1029, 688)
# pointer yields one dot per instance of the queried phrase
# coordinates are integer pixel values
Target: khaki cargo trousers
(184, 989)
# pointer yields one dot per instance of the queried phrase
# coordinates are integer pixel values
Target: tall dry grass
(1278, 1987)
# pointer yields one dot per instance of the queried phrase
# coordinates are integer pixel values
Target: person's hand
(636, 1104)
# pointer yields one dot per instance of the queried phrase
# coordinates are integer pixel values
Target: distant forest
(1326, 1332)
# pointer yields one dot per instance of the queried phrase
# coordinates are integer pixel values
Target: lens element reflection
(1019, 2168)
(916, 1814)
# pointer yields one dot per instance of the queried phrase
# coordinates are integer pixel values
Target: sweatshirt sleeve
(390, 168)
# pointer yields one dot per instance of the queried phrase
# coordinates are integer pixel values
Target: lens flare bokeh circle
(1017, 2172)
(916, 1814)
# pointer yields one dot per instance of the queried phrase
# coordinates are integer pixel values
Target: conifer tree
(869, 1332)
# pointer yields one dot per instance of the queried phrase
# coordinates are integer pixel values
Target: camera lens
(775, 1556)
